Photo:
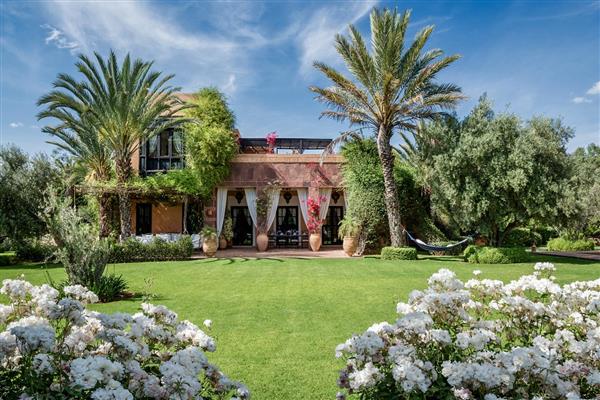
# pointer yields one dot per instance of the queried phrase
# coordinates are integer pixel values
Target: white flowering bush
(54, 348)
(482, 339)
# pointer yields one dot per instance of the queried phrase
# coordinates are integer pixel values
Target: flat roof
(299, 144)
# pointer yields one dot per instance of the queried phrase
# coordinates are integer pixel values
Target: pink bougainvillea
(313, 206)
(271, 140)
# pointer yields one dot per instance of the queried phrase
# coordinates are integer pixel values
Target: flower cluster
(482, 339)
(51, 346)
(313, 208)
(271, 140)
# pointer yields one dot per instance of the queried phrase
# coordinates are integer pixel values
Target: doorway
(242, 226)
(143, 218)
(331, 225)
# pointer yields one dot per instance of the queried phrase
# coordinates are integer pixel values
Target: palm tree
(77, 135)
(393, 89)
(128, 103)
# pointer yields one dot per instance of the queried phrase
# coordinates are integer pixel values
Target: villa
(294, 164)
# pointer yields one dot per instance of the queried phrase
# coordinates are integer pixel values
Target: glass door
(331, 225)
(242, 226)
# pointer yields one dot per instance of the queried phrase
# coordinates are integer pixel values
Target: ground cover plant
(278, 321)
(52, 347)
(482, 339)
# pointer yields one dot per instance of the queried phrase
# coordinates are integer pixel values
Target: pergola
(298, 145)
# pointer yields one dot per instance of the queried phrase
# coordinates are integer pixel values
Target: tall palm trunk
(105, 210)
(392, 204)
(123, 176)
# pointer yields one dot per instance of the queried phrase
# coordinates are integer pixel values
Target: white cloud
(579, 100)
(58, 38)
(594, 89)
(217, 48)
(15, 124)
(316, 39)
(230, 86)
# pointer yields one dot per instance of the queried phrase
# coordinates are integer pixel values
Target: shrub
(54, 348)
(132, 250)
(6, 259)
(481, 339)
(79, 249)
(470, 250)
(348, 228)
(110, 287)
(562, 244)
(546, 234)
(34, 250)
(398, 253)
(522, 237)
(498, 255)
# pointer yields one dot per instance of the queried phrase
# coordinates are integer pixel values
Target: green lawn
(277, 321)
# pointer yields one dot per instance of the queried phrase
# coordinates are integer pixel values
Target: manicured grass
(277, 321)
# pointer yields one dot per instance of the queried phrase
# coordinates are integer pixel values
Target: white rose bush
(52, 347)
(482, 339)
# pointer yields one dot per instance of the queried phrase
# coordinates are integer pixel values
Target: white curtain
(345, 201)
(251, 202)
(325, 194)
(274, 202)
(302, 198)
(221, 207)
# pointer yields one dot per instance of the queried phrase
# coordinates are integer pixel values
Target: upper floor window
(162, 152)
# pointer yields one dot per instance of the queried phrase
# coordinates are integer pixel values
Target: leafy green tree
(581, 205)
(210, 142)
(126, 103)
(495, 173)
(23, 182)
(76, 134)
(363, 179)
(394, 88)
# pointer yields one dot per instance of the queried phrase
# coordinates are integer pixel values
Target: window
(143, 218)
(162, 152)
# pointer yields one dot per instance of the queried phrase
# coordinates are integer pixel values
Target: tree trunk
(105, 211)
(392, 205)
(123, 169)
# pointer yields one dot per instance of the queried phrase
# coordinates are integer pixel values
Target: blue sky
(531, 57)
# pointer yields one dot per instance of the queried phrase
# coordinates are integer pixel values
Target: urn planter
(315, 241)
(209, 246)
(350, 245)
(222, 243)
(262, 242)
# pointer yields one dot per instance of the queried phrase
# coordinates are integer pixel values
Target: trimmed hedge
(522, 237)
(132, 250)
(6, 259)
(495, 255)
(34, 250)
(562, 244)
(398, 253)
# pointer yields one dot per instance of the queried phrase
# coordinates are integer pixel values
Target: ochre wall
(166, 218)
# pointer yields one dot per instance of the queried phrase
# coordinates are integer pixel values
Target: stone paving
(250, 252)
(584, 255)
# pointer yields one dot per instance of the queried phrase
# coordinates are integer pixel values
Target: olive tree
(497, 172)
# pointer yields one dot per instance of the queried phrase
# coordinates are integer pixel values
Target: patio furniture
(288, 239)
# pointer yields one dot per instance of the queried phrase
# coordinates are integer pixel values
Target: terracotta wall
(166, 218)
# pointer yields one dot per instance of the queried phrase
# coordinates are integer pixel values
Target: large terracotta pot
(222, 243)
(350, 245)
(209, 246)
(315, 241)
(262, 242)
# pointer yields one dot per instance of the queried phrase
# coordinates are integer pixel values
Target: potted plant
(209, 241)
(263, 204)
(271, 140)
(314, 222)
(227, 230)
(348, 232)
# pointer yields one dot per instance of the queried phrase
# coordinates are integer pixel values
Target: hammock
(430, 247)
